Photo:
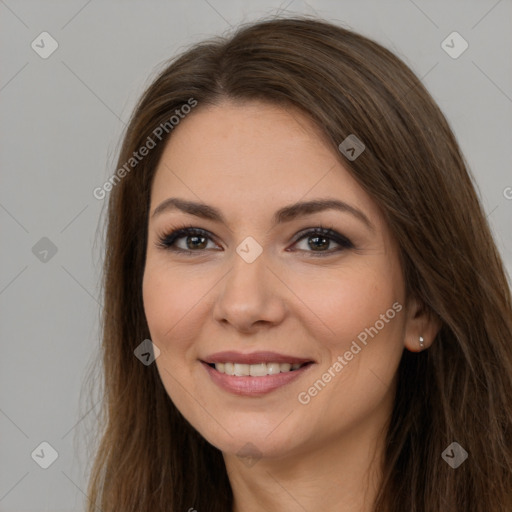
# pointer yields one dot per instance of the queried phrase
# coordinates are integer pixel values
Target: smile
(255, 370)
(253, 380)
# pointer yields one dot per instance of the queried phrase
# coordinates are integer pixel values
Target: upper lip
(253, 358)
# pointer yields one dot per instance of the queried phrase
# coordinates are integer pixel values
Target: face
(305, 304)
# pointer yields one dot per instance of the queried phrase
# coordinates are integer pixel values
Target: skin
(248, 160)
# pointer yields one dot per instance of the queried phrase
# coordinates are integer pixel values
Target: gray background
(61, 120)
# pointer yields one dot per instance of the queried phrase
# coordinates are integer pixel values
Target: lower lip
(253, 386)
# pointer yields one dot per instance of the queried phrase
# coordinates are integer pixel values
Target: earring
(422, 344)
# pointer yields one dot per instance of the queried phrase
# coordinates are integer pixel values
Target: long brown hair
(459, 390)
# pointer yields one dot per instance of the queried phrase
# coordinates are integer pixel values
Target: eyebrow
(285, 214)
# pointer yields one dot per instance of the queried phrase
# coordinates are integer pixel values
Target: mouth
(254, 374)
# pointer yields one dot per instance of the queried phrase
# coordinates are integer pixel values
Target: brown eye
(196, 240)
(319, 240)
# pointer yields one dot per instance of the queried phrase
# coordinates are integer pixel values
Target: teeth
(241, 370)
(229, 368)
(255, 370)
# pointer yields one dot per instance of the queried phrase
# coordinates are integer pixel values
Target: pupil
(325, 245)
(195, 238)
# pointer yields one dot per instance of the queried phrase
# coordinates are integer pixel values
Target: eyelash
(166, 241)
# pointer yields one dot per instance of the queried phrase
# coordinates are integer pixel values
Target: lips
(241, 380)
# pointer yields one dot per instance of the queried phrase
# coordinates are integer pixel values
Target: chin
(251, 436)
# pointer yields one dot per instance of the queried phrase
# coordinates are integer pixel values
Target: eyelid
(321, 230)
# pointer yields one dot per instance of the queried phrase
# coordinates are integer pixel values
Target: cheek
(361, 311)
(170, 303)
(346, 302)
(170, 297)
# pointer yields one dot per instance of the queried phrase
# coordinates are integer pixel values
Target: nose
(250, 296)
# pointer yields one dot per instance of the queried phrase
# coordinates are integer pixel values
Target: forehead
(253, 156)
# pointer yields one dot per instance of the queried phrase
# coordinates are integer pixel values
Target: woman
(293, 226)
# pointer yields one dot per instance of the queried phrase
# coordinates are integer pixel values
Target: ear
(420, 321)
